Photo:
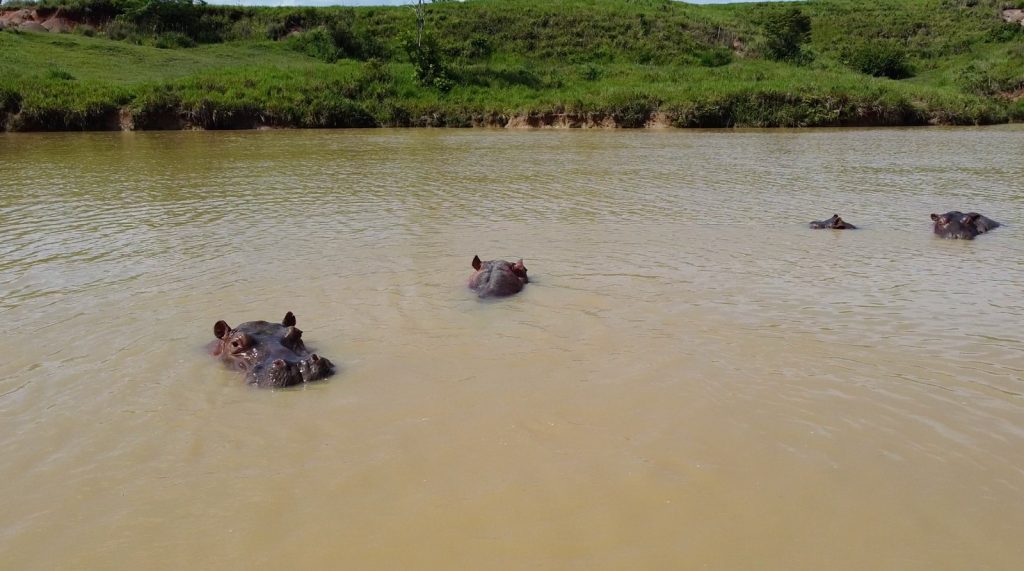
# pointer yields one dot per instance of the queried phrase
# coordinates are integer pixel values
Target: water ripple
(680, 310)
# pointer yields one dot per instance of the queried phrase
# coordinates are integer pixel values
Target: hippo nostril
(315, 358)
(278, 363)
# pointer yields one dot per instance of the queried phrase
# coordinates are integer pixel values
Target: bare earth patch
(42, 21)
(1014, 16)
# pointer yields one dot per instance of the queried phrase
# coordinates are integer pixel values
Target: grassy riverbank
(514, 63)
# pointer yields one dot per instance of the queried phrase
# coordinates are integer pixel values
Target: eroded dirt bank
(129, 119)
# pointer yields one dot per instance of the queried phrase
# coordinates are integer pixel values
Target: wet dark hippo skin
(270, 354)
(496, 278)
(957, 225)
(835, 223)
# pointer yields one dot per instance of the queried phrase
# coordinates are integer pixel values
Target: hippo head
(835, 223)
(270, 354)
(957, 225)
(497, 277)
(951, 225)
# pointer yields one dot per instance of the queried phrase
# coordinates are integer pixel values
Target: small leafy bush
(988, 80)
(786, 31)
(715, 57)
(10, 100)
(478, 47)
(165, 15)
(120, 29)
(276, 30)
(633, 110)
(429, 66)
(171, 40)
(591, 72)
(60, 74)
(316, 43)
(879, 58)
(375, 81)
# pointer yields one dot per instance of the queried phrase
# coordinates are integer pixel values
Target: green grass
(100, 59)
(621, 59)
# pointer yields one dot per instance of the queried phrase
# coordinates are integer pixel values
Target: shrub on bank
(878, 58)
(786, 31)
(68, 106)
(316, 43)
(10, 103)
(988, 79)
(770, 108)
(156, 107)
(171, 40)
(632, 110)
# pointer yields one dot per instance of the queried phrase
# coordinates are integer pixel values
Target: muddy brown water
(692, 379)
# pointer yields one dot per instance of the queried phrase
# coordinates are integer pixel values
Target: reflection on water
(692, 377)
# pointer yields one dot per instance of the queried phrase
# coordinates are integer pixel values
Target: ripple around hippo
(270, 354)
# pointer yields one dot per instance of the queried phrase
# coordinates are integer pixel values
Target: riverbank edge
(130, 119)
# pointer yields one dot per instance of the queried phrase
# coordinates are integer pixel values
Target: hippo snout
(282, 372)
(275, 373)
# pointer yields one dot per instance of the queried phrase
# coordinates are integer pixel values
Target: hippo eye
(240, 343)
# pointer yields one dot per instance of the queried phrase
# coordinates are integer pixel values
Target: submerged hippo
(955, 224)
(271, 354)
(497, 277)
(835, 223)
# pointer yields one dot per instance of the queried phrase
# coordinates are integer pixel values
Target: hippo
(836, 223)
(957, 225)
(497, 277)
(271, 354)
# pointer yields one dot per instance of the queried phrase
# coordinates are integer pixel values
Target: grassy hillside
(171, 64)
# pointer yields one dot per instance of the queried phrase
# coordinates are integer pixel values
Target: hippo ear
(292, 334)
(836, 216)
(289, 319)
(519, 265)
(221, 329)
(935, 217)
(476, 262)
(969, 218)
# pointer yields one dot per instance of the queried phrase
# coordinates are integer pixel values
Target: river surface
(692, 379)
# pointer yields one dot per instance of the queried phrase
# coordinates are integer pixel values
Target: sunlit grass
(695, 65)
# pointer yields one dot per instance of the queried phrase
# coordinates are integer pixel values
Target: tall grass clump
(68, 106)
